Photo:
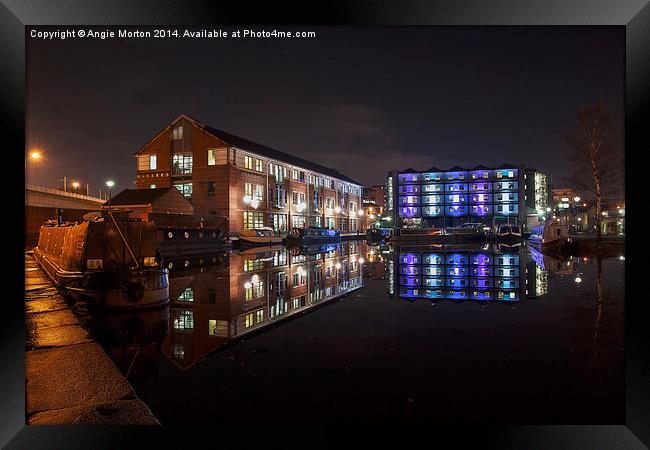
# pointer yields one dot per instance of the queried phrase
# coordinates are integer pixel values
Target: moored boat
(106, 261)
(312, 236)
(259, 236)
(550, 236)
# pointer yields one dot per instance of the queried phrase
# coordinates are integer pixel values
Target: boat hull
(250, 241)
(110, 290)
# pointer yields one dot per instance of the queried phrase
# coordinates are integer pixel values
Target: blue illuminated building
(439, 198)
(459, 273)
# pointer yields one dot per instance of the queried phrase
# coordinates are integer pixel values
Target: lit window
(185, 189)
(259, 165)
(253, 220)
(248, 162)
(177, 133)
(152, 162)
(249, 320)
(259, 192)
(152, 186)
(248, 189)
(182, 164)
(212, 157)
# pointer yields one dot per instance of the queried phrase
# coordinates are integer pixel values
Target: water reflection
(250, 290)
(475, 272)
(132, 339)
(219, 299)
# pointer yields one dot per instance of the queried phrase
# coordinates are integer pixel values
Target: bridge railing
(63, 193)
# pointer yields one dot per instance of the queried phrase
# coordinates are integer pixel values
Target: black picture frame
(634, 15)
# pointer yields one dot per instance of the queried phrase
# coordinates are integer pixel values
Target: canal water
(359, 333)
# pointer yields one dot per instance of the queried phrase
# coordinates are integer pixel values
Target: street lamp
(35, 155)
(75, 185)
(110, 184)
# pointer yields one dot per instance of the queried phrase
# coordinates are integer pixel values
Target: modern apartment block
(438, 198)
(248, 184)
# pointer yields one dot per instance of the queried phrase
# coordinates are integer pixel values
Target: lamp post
(576, 199)
(110, 184)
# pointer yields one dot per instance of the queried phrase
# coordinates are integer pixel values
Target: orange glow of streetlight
(35, 155)
(75, 184)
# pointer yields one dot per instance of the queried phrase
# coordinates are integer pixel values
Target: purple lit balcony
(480, 175)
(408, 178)
(433, 258)
(456, 187)
(409, 200)
(481, 210)
(409, 189)
(409, 258)
(409, 211)
(410, 281)
(481, 259)
(456, 210)
(482, 271)
(482, 282)
(433, 282)
(482, 295)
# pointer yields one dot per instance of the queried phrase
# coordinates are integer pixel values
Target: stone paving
(69, 377)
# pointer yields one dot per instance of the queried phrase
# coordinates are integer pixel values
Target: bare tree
(597, 163)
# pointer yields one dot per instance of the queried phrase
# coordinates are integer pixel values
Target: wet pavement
(69, 377)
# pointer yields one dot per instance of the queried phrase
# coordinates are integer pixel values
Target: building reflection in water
(250, 290)
(474, 272)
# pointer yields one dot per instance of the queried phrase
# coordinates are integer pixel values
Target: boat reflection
(213, 305)
(132, 339)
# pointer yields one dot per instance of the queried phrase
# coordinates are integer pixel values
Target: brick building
(248, 184)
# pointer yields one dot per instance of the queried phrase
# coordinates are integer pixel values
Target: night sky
(361, 100)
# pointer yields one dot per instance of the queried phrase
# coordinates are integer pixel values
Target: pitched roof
(409, 170)
(507, 166)
(434, 169)
(139, 196)
(263, 150)
(456, 169)
(254, 147)
(479, 167)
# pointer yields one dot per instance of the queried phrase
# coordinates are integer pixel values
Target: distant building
(564, 195)
(248, 184)
(374, 195)
(373, 204)
(438, 198)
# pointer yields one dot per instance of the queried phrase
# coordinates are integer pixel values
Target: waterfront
(552, 353)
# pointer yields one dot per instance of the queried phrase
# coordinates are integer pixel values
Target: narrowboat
(259, 236)
(108, 261)
(550, 236)
(181, 241)
(312, 236)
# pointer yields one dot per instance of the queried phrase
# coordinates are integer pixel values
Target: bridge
(42, 204)
(54, 198)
